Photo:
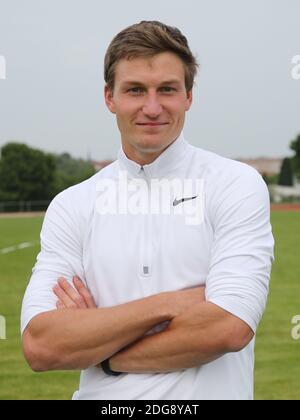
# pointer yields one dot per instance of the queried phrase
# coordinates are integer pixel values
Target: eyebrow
(136, 83)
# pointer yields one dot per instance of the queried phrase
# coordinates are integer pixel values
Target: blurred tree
(286, 176)
(295, 146)
(70, 171)
(28, 174)
(270, 179)
(265, 178)
(25, 173)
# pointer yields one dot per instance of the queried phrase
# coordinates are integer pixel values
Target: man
(161, 261)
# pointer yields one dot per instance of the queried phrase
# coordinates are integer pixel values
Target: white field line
(23, 245)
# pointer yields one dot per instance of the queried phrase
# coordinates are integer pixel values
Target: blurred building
(281, 193)
(98, 165)
(265, 166)
(270, 167)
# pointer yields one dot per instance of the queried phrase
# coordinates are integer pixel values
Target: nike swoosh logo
(176, 202)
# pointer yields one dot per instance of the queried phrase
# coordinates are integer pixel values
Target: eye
(167, 89)
(135, 90)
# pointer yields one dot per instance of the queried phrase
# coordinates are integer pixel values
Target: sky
(246, 102)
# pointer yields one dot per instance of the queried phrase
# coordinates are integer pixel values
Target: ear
(189, 100)
(109, 99)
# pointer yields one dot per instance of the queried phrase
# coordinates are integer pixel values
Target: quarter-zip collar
(166, 164)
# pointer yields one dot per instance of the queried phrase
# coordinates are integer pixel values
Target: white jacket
(221, 239)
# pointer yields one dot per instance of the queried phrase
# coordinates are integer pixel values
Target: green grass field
(277, 373)
(17, 381)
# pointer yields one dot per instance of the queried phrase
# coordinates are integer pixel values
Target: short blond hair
(146, 39)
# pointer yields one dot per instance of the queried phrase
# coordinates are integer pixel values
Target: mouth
(148, 124)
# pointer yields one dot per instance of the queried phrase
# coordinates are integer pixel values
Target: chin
(152, 145)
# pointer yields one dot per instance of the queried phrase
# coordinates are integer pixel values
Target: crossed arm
(78, 335)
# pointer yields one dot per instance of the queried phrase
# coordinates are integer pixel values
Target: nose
(152, 107)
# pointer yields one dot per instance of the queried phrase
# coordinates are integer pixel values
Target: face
(150, 101)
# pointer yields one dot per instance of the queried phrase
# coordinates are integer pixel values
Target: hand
(77, 297)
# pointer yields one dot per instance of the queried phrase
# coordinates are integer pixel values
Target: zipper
(147, 236)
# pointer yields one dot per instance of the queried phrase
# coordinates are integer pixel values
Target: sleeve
(60, 255)
(242, 250)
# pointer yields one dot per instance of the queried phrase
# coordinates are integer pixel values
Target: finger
(72, 293)
(60, 305)
(84, 292)
(63, 297)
